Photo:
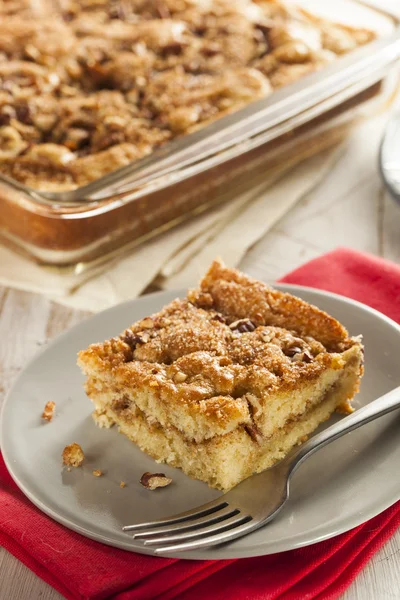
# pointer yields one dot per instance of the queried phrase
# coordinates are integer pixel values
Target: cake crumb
(102, 420)
(97, 473)
(73, 455)
(122, 484)
(48, 411)
(345, 408)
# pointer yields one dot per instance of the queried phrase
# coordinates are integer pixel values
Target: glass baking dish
(80, 228)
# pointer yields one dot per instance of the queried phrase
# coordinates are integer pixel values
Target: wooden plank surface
(360, 216)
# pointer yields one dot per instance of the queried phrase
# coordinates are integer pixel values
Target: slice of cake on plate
(223, 383)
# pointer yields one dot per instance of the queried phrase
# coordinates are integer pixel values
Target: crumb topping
(73, 455)
(106, 82)
(48, 411)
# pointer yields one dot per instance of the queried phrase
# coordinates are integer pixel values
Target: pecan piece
(218, 317)
(132, 339)
(243, 326)
(152, 481)
(212, 49)
(297, 354)
(174, 47)
(307, 356)
(253, 431)
(267, 337)
(292, 351)
(5, 118)
(24, 113)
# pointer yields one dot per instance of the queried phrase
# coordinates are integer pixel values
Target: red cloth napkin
(83, 569)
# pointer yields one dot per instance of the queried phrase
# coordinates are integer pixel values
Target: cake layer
(224, 460)
(266, 413)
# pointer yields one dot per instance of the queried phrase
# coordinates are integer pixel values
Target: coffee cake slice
(226, 381)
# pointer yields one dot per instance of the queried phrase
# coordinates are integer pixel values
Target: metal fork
(255, 501)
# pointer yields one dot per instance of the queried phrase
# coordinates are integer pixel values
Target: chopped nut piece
(11, 142)
(298, 355)
(24, 113)
(130, 338)
(292, 351)
(44, 123)
(181, 119)
(243, 326)
(180, 377)
(219, 318)
(254, 432)
(151, 481)
(293, 52)
(147, 323)
(49, 409)
(6, 115)
(97, 473)
(73, 455)
(32, 52)
(122, 484)
(267, 337)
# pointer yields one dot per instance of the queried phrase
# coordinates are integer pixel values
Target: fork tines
(213, 523)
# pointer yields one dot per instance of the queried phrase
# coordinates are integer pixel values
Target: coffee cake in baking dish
(103, 83)
(226, 381)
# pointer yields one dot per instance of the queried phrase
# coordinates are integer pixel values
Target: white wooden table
(348, 208)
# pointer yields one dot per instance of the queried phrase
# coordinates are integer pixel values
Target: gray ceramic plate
(340, 487)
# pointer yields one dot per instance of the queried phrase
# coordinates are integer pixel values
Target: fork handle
(382, 406)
